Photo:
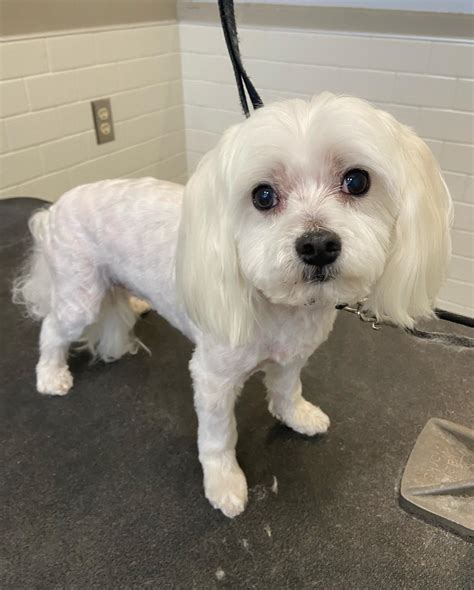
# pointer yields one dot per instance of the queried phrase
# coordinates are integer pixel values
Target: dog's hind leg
(52, 373)
(75, 307)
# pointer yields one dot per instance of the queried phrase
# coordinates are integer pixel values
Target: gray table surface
(102, 489)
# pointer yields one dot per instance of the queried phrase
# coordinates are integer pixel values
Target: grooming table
(102, 488)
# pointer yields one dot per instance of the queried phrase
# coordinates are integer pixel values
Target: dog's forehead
(289, 176)
(327, 132)
(305, 165)
(298, 143)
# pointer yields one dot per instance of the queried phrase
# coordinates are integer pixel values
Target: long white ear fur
(208, 276)
(421, 244)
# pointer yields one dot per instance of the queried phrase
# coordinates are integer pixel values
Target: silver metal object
(359, 311)
(438, 482)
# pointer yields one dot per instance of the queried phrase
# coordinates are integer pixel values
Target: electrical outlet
(103, 122)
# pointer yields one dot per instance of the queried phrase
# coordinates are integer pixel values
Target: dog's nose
(318, 248)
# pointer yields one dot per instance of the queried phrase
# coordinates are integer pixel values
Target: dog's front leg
(287, 403)
(215, 392)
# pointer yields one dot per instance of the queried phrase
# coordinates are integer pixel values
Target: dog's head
(313, 203)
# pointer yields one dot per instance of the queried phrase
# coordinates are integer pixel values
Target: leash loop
(229, 27)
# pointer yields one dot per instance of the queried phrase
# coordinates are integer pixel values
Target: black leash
(442, 338)
(439, 337)
(226, 12)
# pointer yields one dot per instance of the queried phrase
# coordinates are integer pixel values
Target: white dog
(301, 207)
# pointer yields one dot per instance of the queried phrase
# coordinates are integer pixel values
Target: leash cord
(443, 338)
(440, 337)
(229, 27)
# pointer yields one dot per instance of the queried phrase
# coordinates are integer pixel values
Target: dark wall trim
(28, 17)
(457, 318)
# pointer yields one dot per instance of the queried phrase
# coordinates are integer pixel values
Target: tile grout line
(84, 132)
(67, 170)
(167, 135)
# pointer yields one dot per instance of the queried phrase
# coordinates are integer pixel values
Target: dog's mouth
(318, 274)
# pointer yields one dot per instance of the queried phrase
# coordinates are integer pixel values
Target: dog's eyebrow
(284, 179)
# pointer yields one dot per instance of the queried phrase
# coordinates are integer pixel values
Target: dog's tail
(32, 286)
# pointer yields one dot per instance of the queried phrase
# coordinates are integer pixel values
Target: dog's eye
(264, 197)
(355, 182)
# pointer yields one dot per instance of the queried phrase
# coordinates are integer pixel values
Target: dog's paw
(53, 380)
(305, 418)
(225, 486)
(139, 306)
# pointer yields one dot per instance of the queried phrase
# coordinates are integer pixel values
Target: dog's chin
(318, 274)
(315, 286)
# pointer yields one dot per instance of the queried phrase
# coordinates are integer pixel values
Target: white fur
(227, 275)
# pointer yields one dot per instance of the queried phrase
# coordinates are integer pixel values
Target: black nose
(318, 248)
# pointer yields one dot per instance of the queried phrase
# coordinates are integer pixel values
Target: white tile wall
(47, 140)
(32, 129)
(18, 166)
(3, 138)
(74, 51)
(23, 58)
(426, 83)
(13, 98)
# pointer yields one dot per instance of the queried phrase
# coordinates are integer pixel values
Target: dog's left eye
(264, 197)
(355, 182)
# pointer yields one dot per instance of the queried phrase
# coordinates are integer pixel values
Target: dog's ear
(420, 244)
(209, 281)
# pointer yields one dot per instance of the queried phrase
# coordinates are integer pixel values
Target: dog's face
(316, 203)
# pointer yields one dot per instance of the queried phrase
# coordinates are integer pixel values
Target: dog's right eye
(264, 197)
(355, 182)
